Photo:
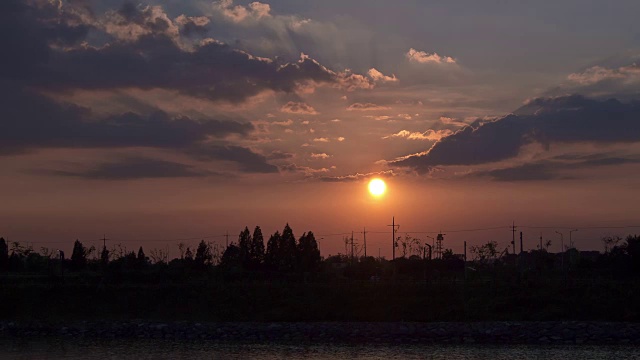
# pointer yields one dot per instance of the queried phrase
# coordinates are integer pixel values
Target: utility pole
(104, 241)
(561, 249)
(352, 247)
(520, 242)
(364, 235)
(393, 237)
(105, 255)
(571, 241)
(540, 241)
(513, 237)
(227, 236)
(465, 260)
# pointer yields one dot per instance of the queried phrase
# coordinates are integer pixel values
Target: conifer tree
(244, 245)
(308, 253)
(257, 248)
(288, 249)
(272, 255)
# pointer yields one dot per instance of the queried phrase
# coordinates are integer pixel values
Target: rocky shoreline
(353, 332)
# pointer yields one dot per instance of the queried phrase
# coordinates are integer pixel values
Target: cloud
(279, 155)
(380, 77)
(366, 107)
(239, 13)
(247, 160)
(321, 139)
(422, 57)
(358, 176)
(568, 119)
(340, 138)
(61, 57)
(33, 121)
(555, 168)
(320, 156)
(307, 171)
(289, 122)
(378, 117)
(132, 168)
(298, 108)
(598, 74)
(451, 121)
(430, 135)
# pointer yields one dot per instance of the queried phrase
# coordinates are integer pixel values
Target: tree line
(283, 253)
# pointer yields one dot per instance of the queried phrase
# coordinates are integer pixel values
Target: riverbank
(339, 332)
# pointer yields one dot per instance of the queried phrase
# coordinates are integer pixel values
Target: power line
(581, 227)
(152, 240)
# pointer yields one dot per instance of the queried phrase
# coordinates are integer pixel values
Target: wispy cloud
(299, 108)
(431, 135)
(422, 57)
(320, 156)
(597, 74)
(366, 107)
(132, 168)
(358, 176)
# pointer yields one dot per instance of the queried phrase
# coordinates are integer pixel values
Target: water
(147, 349)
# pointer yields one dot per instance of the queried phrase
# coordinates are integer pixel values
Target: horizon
(157, 121)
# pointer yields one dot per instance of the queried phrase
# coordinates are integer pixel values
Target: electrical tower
(439, 249)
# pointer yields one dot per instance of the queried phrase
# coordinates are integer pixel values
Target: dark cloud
(280, 155)
(132, 168)
(26, 33)
(299, 108)
(30, 120)
(247, 160)
(145, 51)
(568, 119)
(555, 168)
(306, 170)
(365, 107)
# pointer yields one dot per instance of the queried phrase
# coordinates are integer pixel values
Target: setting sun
(377, 187)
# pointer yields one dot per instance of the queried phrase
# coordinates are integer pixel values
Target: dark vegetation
(287, 280)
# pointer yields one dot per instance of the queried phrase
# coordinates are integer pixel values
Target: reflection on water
(148, 349)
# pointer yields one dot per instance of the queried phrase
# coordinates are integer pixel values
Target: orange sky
(168, 120)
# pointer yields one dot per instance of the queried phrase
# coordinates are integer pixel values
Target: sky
(167, 121)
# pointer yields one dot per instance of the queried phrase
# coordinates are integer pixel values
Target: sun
(377, 187)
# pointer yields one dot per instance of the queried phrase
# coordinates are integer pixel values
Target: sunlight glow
(377, 187)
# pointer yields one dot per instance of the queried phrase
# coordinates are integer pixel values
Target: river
(53, 348)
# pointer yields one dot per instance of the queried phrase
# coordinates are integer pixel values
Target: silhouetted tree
(142, 259)
(308, 253)
(188, 255)
(633, 250)
(79, 256)
(231, 259)
(287, 249)
(203, 255)
(486, 253)
(244, 245)
(257, 248)
(4, 255)
(609, 242)
(272, 256)
(447, 254)
(104, 256)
